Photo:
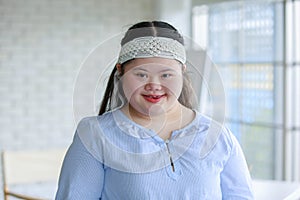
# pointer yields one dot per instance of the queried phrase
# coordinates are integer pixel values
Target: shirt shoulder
(218, 139)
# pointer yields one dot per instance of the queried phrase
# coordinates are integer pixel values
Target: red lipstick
(153, 98)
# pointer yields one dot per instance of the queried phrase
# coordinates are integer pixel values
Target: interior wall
(176, 12)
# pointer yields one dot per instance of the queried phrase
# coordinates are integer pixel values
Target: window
(255, 45)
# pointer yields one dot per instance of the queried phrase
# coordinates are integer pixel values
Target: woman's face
(152, 85)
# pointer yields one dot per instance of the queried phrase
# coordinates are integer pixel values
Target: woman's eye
(141, 75)
(166, 75)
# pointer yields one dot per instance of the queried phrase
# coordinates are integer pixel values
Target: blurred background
(255, 44)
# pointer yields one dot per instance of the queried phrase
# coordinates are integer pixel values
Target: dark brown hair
(142, 29)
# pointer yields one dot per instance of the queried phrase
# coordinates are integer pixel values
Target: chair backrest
(30, 167)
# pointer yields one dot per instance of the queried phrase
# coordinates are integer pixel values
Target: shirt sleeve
(236, 182)
(81, 175)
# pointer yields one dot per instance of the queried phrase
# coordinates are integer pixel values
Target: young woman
(148, 141)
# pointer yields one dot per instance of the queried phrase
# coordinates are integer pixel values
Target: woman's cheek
(131, 86)
(174, 87)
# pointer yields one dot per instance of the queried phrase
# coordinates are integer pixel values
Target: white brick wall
(42, 44)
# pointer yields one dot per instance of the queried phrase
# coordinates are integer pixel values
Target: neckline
(136, 130)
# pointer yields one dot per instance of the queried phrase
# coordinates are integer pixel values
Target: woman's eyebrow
(144, 69)
(140, 68)
(166, 70)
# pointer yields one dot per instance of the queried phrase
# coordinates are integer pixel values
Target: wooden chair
(30, 170)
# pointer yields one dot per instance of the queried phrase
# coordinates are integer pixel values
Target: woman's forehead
(154, 63)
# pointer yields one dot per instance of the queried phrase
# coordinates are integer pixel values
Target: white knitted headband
(149, 46)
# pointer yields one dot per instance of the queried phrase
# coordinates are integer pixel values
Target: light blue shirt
(114, 158)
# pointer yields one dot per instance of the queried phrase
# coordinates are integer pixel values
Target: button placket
(172, 166)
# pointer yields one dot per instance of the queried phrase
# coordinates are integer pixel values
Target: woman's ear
(183, 68)
(119, 68)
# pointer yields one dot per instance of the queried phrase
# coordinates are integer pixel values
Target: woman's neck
(163, 124)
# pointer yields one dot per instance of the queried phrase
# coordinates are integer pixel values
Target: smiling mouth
(153, 98)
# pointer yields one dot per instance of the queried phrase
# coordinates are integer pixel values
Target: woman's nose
(153, 85)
